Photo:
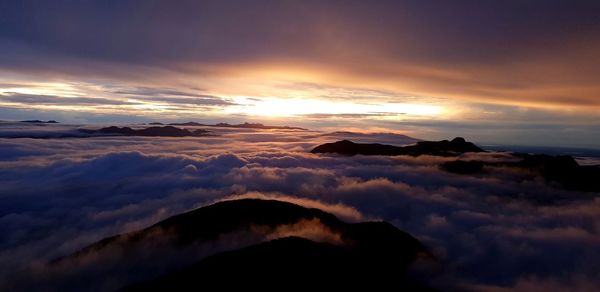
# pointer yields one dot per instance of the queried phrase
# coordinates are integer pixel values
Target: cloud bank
(506, 228)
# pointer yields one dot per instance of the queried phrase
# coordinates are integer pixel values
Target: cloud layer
(504, 228)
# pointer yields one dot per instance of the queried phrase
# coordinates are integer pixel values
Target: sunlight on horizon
(273, 107)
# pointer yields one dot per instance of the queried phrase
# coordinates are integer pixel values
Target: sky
(496, 72)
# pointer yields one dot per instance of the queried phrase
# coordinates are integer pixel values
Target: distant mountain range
(156, 130)
(166, 131)
(40, 122)
(370, 253)
(561, 169)
(239, 126)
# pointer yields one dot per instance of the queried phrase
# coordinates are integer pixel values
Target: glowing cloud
(294, 107)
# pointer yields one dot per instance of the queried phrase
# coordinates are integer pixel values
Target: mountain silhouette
(560, 169)
(40, 122)
(239, 126)
(166, 131)
(290, 261)
(455, 147)
(365, 252)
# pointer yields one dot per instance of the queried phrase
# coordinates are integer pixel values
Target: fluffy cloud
(502, 229)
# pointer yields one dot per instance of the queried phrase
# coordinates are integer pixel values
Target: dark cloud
(469, 30)
(149, 91)
(25, 99)
(171, 96)
(122, 97)
(203, 101)
(493, 231)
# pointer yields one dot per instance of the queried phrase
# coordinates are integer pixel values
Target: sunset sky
(457, 142)
(507, 72)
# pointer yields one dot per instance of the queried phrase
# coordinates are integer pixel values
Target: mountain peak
(459, 140)
(455, 147)
(365, 251)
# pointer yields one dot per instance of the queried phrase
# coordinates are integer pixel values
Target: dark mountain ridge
(560, 169)
(166, 131)
(439, 148)
(239, 126)
(366, 251)
(40, 122)
(279, 263)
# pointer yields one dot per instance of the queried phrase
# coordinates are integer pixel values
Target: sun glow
(278, 98)
(273, 107)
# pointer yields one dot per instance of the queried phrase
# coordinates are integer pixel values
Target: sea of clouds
(504, 229)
